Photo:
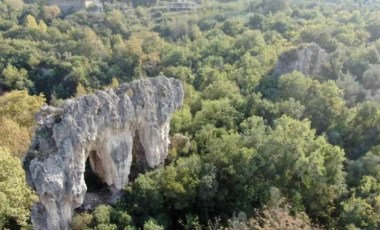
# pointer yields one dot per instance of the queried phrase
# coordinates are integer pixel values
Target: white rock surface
(308, 59)
(100, 126)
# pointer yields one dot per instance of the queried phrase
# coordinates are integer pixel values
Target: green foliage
(358, 212)
(30, 22)
(373, 29)
(221, 89)
(121, 218)
(232, 27)
(276, 217)
(14, 137)
(371, 78)
(258, 21)
(181, 120)
(242, 132)
(294, 159)
(51, 12)
(323, 102)
(14, 78)
(357, 133)
(20, 107)
(367, 165)
(275, 5)
(102, 214)
(16, 197)
(220, 113)
(105, 227)
(16, 5)
(152, 225)
(82, 221)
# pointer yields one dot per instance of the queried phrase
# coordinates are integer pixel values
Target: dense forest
(255, 146)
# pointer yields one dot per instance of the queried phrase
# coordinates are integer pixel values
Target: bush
(102, 214)
(106, 227)
(152, 225)
(82, 221)
(122, 219)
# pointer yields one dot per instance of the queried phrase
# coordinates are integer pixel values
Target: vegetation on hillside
(250, 149)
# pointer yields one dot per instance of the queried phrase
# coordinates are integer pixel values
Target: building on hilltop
(182, 5)
(68, 6)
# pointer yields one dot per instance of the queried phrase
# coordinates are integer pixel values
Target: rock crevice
(101, 127)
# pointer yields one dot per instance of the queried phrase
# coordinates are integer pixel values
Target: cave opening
(97, 191)
(139, 163)
(93, 182)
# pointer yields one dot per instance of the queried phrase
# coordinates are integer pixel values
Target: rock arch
(100, 126)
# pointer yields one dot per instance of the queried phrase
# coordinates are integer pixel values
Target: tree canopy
(253, 145)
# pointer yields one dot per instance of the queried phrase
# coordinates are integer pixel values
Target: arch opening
(98, 192)
(139, 163)
(93, 182)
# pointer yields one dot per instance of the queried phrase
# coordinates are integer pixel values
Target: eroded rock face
(101, 127)
(308, 59)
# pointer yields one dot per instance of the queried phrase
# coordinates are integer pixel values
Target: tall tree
(16, 197)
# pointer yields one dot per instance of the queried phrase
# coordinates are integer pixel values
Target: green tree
(16, 197)
(233, 27)
(14, 78)
(145, 198)
(220, 113)
(323, 102)
(151, 224)
(182, 120)
(180, 72)
(30, 22)
(294, 85)
(14, 4)
(221, 89)
(371, 78)
(102, 214)
(14, 137)
(360, 130)
(367, 165)
(234, 189)
(179, 182)
(275, 5)
(105, 227)
(82, 221)
(354, 92)
(80, 90)
(258, 22)
(305, 167)
(121, 218)
(42, 26)
(116, 21)
(252, 41)
(374, 29)
(324, 105)
(20, 107)
(358, 212)
(51, 12)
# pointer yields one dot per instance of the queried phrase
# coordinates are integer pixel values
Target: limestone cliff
(308, 59)
(101, 127)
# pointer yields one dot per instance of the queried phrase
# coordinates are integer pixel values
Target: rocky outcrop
(308, 59)
(102, 127)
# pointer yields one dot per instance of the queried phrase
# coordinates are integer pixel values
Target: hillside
(279, 125)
